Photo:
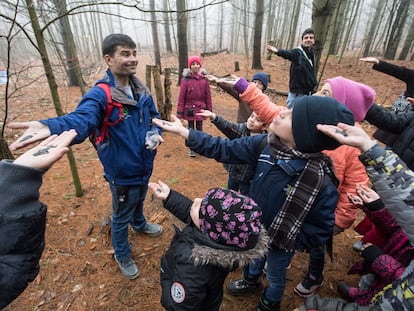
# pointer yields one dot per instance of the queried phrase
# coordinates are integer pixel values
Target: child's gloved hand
(160, 189)
(152, 140)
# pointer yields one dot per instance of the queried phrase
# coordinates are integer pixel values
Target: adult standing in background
(194, 95)
(302, 69)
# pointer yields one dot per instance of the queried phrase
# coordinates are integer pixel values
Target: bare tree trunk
(182, 36)
(409, 39)
(166, 112)
(245, 29)
(321, 13)
(154, 29)
(167, 28)
(354, 11)
(257, 39)
(397, 30)
(338, 28)
(52, 85)
(72, 60)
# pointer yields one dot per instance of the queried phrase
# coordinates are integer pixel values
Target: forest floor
(77, 269)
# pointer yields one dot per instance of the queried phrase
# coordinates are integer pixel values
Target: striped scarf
(290, 218)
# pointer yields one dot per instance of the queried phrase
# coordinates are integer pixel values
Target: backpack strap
(104, 133)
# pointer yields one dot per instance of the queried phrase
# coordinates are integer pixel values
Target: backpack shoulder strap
(108, 110)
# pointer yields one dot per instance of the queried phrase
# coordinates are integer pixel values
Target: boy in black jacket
(223, 232)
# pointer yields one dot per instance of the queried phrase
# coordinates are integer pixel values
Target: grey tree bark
(257, 38)
(182, 36)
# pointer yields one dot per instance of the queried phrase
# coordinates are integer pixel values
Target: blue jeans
(291, 98)
(237, 185)
(127, 208)
(316, 261)
(277, 261)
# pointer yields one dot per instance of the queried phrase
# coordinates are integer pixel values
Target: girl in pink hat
(194, 95)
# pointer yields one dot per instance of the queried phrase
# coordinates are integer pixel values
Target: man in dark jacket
(302, 69)
(23, 216)
(127, 157)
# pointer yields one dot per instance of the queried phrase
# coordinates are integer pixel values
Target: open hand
(370, 60)
(348, 135)
(174, 126)
(47, 152)
(35, 131)
(160, 189)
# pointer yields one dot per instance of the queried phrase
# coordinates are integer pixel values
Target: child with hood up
(223, 231)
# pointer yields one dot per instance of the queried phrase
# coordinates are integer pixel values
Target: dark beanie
(262, 77)
(230, 218)
(312, 110)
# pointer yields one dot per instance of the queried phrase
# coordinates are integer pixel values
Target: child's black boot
(245, 285)
(266, 305)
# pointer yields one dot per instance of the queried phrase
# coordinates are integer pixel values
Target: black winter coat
(22, 229)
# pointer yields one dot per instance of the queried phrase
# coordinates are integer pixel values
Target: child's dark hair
(110, 43)
(308, 31)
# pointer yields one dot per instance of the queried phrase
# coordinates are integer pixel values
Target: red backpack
(96, 139)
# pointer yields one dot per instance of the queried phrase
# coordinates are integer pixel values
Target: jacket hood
(229, 259)
(187, 72)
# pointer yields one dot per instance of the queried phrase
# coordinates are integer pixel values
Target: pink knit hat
(193, 59)
(356, 96)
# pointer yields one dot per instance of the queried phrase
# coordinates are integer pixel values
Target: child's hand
(370, 60)
(160, 190)
(207, 114)
(174, 126)
(347, 135)
(47, 152)
(366, 194)
(356, 200)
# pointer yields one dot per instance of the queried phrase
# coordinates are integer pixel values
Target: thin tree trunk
(52, 85)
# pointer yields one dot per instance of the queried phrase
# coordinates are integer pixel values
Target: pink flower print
(229, 201)
(226, 216)
(244, 227)
(211, 211)
(240, 216)
(244, 236)
(219, 194)
(255, 227)
(219, 226)
(214, 236)
(204, 225)
(226, 235)
(231, 225)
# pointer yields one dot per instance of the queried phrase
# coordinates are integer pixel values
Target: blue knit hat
(262, 77)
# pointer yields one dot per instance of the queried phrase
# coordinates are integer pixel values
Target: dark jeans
(125, 211)
(277, 261)
(198, 124)
(238, 185)
(317, 261)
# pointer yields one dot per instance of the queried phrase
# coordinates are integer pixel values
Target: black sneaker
(266, 305)
(308, 286)
(241, 287)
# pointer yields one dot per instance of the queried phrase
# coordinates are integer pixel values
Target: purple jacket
(194, 96)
